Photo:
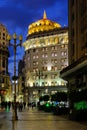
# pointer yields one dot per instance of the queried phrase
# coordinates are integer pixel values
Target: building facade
(21, 81)
(76, 72)
(4, 75)
(77, 30)
(46, 53)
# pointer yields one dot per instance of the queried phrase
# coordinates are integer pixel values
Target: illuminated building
(46, 53)
(76, 72)
(4, 76)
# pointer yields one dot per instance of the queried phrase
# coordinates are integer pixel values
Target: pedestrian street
(33, 119)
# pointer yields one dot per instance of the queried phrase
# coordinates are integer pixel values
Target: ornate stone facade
(46, 54)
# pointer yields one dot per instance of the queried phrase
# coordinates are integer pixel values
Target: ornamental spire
(44, 15)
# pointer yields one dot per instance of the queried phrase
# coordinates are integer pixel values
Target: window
(34, 77)
(65, 53)
(62, 53)
(43, 83)
(44, 68)
(3, 43)
(66, 46)
(3, 38)
(28, 51)
(54, 47)
(55, 61)
(44, 49)
(35, 63)
(44, 76)
(55, 68)
(28, 58)
(35, 57)
(3, 34)
(35, 50)
(62, 46)
(44, 55)
(35, 70)
(62, 66)
(2, 80)
(54, 54)
(63, 60)
(52, 83)
(53, 76)
(44, 62)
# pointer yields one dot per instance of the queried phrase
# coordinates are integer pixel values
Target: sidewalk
(39, 120)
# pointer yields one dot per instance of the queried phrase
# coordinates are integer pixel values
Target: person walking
(20, 106)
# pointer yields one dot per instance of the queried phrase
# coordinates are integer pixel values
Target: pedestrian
(28, 104)
(24, 104)
(20, 106)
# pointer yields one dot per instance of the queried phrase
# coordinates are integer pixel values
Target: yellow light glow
(49, 68)
(42, 25)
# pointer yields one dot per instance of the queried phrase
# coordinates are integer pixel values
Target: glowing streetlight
(15, 45)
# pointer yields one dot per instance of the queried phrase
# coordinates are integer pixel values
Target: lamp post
(15, 45)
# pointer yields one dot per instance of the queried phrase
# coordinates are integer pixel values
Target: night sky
(16, 15)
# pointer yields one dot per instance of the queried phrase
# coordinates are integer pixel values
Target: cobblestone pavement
(38, 120)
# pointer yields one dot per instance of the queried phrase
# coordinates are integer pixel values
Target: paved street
(38, 120)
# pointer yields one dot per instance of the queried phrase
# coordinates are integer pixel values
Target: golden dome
(42, 25)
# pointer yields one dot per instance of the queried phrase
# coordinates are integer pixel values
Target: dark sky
(16, 15)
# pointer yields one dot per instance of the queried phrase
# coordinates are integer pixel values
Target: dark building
(76, 72)
(21, 81)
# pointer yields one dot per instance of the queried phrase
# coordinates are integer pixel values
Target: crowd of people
(19, 105)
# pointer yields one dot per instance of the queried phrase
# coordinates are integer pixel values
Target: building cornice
(48, 33)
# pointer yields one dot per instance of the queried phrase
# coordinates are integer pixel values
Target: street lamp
(15, 45)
